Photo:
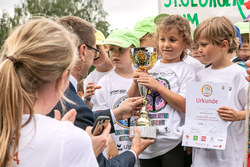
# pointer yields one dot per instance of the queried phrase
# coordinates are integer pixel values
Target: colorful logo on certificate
(207, 90)
(203, 138)
(195, 138)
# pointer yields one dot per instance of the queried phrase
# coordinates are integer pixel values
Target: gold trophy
(145, 58)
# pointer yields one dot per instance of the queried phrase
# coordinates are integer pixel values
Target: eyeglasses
(97, 51)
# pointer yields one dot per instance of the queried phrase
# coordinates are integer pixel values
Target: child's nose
(166, 44)
(199, 50)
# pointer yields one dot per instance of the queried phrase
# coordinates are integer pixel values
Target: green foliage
(90, 10)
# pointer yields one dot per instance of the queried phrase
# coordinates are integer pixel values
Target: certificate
(203, 126)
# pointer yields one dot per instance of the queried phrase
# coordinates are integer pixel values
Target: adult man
(87, 51)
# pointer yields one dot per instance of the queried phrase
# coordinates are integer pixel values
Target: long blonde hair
(36, 53)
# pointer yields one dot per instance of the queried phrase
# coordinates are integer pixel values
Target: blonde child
(167, 82)
(216, 38)
(115, 85)
(102, 65)
(35, 64)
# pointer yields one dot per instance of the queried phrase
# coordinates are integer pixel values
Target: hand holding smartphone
(100, 124)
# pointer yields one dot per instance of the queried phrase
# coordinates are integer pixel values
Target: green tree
(90, 10)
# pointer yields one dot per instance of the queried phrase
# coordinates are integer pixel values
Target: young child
(167, 82)
(35, 63)
(145, 30)
(216, 38)
(244, 51)
(115, 85)
(233, 56)
(103, 66)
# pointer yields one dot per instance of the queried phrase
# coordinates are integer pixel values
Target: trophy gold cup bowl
(145, 58)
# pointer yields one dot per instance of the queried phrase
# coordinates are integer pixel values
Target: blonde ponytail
(35, 54)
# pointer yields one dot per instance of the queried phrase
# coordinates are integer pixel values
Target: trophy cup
(145, 58)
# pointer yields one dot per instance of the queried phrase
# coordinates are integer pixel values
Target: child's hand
(228, 114)
(149, 82)
(90, 89)
(137, 73)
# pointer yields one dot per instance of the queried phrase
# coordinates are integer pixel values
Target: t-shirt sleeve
(243, 87)
(76, 149)
(101, 96)
(187, 76)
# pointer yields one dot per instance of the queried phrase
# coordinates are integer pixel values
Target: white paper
(203, 126)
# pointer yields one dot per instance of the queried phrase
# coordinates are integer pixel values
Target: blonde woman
(36, 61)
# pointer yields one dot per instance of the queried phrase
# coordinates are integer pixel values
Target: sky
(121, 13)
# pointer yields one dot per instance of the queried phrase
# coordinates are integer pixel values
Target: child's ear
(106, 48)
(224, 44)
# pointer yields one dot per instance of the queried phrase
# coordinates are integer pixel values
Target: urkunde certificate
(203, 126)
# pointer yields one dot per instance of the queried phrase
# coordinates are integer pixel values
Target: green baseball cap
(145, 26)
(160, 17)
(123, 38)
(243, 26)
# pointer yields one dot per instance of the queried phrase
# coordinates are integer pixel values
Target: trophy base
(145, 132)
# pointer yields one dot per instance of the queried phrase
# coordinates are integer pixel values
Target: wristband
(87, 99)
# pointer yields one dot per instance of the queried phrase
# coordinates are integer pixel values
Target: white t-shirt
(46, 142)
(233, 154)
(95, 77)
(169, 122)
(110, 96)
(194, 63)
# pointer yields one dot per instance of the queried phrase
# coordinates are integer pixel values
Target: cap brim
(120, 43)
(140, 34)
(99, 42)
(243, 26)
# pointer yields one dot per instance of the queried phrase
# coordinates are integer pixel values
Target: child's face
(103, 56)
(244, 51)
(171, 45)
(147, 41)
(120, 57)
(209, 53)
(196, 54)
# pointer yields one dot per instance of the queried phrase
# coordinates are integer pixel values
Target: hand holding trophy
(144, 58)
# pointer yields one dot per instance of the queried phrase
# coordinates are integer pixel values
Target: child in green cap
(103, 66)
(115, 85)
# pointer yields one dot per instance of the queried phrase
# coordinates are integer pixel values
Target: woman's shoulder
(57, 128)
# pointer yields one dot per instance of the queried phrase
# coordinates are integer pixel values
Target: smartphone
(100, 124)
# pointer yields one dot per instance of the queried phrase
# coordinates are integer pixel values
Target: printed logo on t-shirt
(155, 102)
(123, 123)
(114, 92)
(15, 156)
